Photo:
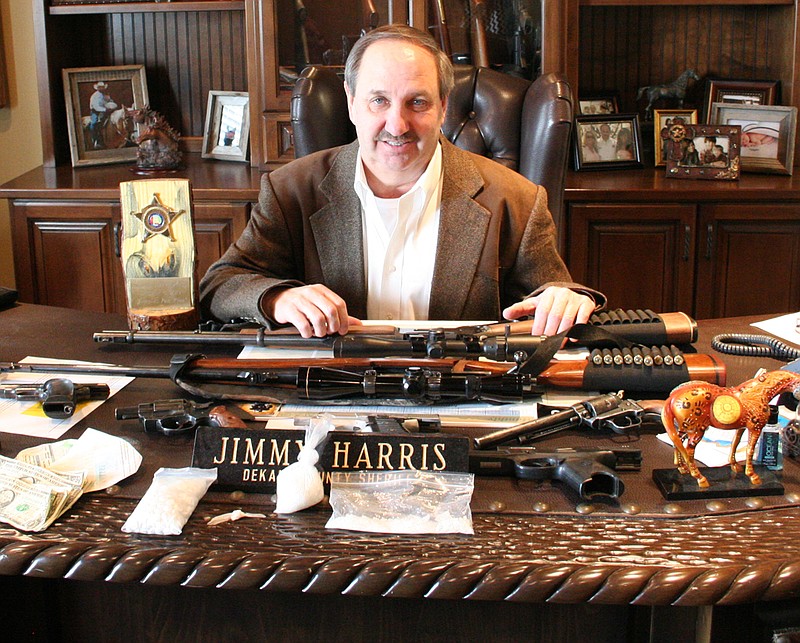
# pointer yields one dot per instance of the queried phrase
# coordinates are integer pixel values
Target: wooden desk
(538, 577)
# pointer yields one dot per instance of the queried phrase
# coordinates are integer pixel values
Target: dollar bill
(31, 497)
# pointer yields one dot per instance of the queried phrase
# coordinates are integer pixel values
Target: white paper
(784, 327)
(28, 418)
(104, 459)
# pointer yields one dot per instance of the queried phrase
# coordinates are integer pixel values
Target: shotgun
(499, 342)
(419, 380)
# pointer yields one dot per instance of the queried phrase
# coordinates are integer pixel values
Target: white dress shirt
(400, 237)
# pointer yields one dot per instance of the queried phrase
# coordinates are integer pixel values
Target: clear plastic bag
(402, 502)
(169, 501)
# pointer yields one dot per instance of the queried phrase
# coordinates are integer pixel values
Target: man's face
(605, 132)
(397, 112)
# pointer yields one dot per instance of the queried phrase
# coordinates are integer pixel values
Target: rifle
(590, 472)
(603, 412)
(421, 380)
(477, 34)
(499, 342)
(301, 52)
(441, 27)
(371, 17)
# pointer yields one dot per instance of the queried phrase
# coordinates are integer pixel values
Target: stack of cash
(31, 497)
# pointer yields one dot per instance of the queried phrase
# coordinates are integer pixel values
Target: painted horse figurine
(674, 90)
(692, 407)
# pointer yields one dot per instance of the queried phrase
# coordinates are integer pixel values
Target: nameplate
(250, 459)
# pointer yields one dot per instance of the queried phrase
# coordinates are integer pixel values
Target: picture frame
(705, 151)
(606, 102)
(662, 122)
(768, 135)
(742, 92)
(107, 135)
(609, 150)
(227, 131)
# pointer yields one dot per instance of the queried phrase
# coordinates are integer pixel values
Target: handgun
(589, 471)
(610, 411)
(175, 416)
(59, 396)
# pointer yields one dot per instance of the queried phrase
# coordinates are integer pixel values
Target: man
(100, 106)
(606, 146)
(399, 224)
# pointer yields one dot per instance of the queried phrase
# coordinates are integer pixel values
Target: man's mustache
(385, 137)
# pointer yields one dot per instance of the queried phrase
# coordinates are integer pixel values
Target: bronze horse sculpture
(674, 90)
(692, 407)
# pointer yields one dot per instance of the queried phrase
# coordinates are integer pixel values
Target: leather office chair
(522, 124)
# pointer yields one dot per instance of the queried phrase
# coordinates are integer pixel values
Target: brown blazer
(496, 240)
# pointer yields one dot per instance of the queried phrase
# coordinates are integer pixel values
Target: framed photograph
(768, 135)
(664, 120)
(101, 106)
(740, 92)
(705, 152)
(599, 103)
(607, 142)
(227, 131)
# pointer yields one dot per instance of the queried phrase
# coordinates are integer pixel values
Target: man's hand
(555, 310)
(315, 310)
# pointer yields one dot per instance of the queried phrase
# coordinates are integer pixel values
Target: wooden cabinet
(625, 44)
(709, 248)
(65, 229)
(617, 247)
(748, 259)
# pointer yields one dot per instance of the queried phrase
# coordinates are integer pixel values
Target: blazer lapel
(463, 226)
(338, 234)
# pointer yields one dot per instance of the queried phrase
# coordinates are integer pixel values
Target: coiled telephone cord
(754, 346)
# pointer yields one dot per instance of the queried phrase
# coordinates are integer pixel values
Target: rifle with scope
(411, 379)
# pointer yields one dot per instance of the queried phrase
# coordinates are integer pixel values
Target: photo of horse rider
(108, 122)
(100, 106)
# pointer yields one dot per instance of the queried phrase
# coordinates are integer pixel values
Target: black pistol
(590, 472)
(172, 417)
(59, 396)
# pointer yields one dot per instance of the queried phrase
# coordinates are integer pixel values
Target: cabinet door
(64, 254)
(67, 252)
(640, 256)
(216, 226)
(748, 260)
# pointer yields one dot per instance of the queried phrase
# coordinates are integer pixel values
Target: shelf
(147, 7)
(650, 184)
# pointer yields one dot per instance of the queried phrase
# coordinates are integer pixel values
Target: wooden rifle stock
(302, 56)
(441, 27)
(477, 33)
(579, 374)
